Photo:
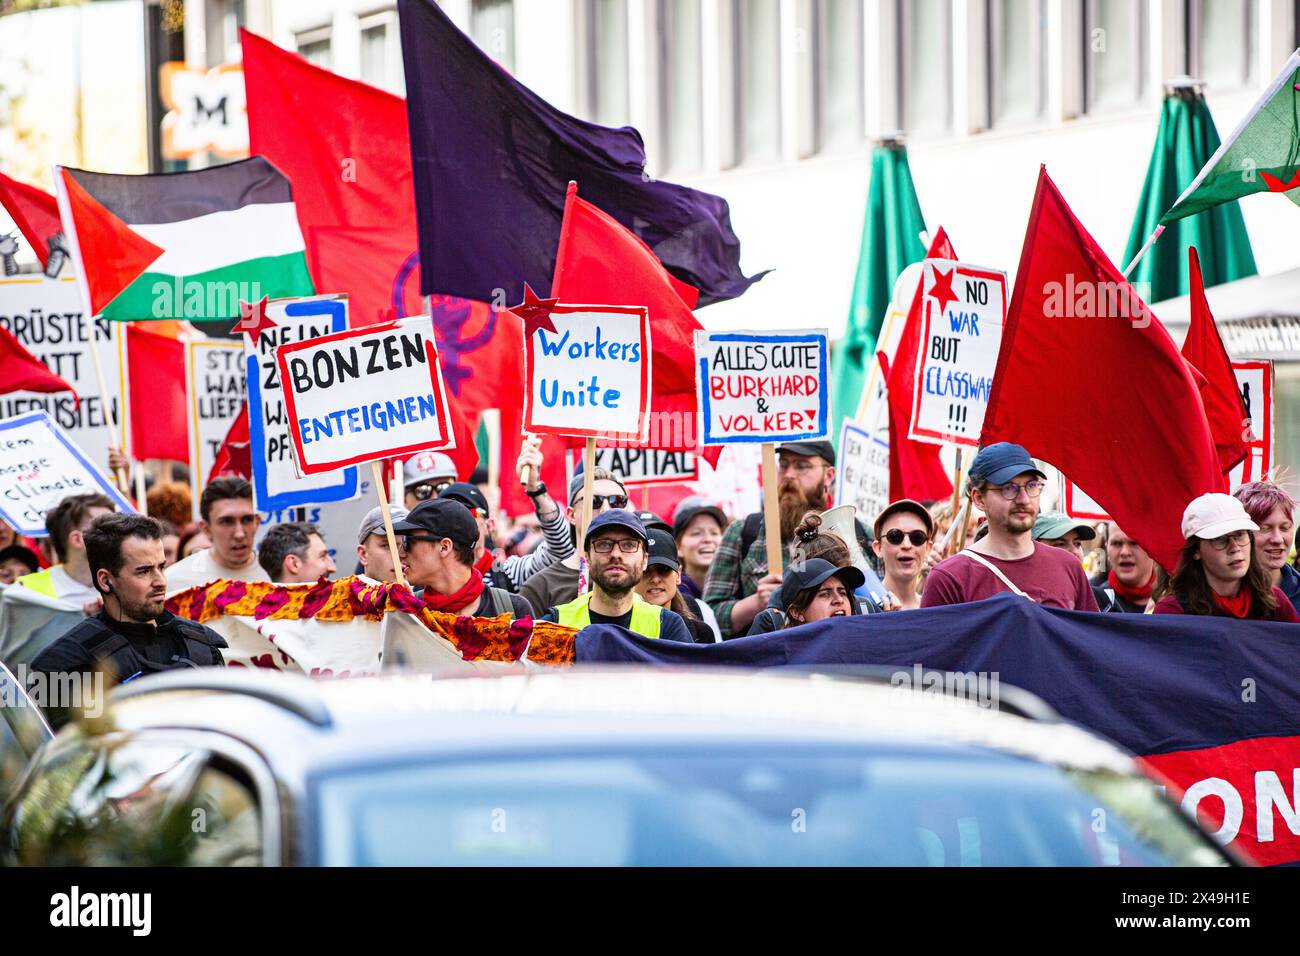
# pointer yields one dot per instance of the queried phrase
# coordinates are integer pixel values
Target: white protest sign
(39, 467)
(45, 316)
(635, 467)
(862, 479)
(1255, 380)
(963, 312)
(763, 387)
(1076, 503)
(364, 395)
(590, 375)
(214, 393)
(276, 483)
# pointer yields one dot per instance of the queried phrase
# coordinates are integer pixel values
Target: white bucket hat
(1210, 516)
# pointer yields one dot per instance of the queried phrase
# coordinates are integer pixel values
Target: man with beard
(1006, 484)
(133, 634)
(616, 546)
(739, 584)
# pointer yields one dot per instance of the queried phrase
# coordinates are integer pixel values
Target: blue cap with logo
(998, 463)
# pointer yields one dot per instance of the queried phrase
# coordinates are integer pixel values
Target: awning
(1258, 317)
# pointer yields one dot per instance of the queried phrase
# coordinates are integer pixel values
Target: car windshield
(761, 808)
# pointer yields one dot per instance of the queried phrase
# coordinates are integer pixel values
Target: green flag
(891, 241)
(1261, 155)
(1185, 141)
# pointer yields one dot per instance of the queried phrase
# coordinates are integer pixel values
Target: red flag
(233, 457)
(599, 261)
(915, 468)
(155, 363)
(1224, 406)
(1136, 440)
(35, 212)
(21, 371)
(109, 254)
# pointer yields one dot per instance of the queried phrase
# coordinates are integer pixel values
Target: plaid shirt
(733, 575)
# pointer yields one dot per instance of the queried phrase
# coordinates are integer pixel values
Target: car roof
(298, 722)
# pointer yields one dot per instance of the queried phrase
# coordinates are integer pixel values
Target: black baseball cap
(652, 520)
(689, 510)
(663, 550)
(810, 449)
(813, 573)
(466, 494)
(617, 518)
(441, 518)
(17, 552)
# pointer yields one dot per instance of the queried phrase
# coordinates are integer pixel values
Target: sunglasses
(424, 491)
(615, 501)
(408, 539)
(895, 537)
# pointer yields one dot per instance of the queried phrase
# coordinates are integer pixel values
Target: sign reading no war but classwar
(763, 386)
(39, 467)
(591, 375)
(364, 395)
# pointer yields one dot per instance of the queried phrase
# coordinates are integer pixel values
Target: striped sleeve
(556, 545)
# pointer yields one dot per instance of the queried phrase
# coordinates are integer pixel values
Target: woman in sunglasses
(1218, 574)
(904, 532)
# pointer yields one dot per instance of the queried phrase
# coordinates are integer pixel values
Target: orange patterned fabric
(477, 638)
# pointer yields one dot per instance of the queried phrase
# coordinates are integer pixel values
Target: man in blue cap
(1006, 484)
(616, 546)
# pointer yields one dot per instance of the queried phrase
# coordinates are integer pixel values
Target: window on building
(492, 25)
(925, 86)
(758, 80)
(839, 57)
(314, 47)
(1115, 36)
(607, 76)
(1221, 46)
(682, 71)
(1018, 61)
(381, 52)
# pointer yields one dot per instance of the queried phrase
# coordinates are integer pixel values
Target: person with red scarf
(1126, 587)
(436, 541)
(1218, 573)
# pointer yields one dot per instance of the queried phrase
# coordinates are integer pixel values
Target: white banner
(214, 392)
(635, 467)
(862, 479)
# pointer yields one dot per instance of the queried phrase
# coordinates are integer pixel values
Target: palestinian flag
(1262, 154)
(189, 245)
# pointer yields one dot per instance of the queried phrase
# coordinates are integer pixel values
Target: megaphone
(841, 521)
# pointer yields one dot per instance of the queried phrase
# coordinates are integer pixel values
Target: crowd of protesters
(696, 575)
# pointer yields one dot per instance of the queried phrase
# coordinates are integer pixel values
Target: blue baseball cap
(626, 520)
(999, 463)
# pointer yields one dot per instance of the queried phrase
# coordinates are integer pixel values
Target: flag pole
(141, 500)
(588, 466)
(376, 476)
(772, 511)
(1151, 241)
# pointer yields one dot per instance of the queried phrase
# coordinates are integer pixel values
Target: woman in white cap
(1218, 574)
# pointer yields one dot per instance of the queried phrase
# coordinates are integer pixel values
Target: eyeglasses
(407, 540)
(1011, 491)
(606, 545)
(895, 537)
(1222, 542)
(426, 490)
(597, 502)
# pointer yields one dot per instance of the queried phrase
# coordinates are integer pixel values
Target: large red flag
(1224, 407)
(34, 211)
(600, 261)
(155, 364)
(915, 469)
(1136, 439)
(21, 371)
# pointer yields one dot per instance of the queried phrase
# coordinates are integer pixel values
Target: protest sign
(1076, 503)
(763, 387)
(590, 376)
(46, 317)
(636, 467)
(364, 395)
(1255, 380)
(276, 483)
(39, 467)
(862, 479)
(963, 312)
(214, 392)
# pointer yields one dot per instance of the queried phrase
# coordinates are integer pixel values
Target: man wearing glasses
(616, 547)
(231, 521)
(1006, 485)
(425, 475)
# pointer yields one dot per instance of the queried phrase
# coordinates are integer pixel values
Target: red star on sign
(252, 319)
(941, 290)
(535, 312)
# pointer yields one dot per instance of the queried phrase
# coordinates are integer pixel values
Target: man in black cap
(615, 546)
(1005, 484)
(436, 542)
(739, 584)
(660, 584)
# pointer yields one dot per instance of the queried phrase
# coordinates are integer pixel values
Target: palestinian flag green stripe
(215, 294)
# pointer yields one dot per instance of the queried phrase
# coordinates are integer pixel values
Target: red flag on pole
(35, 212)
(1137, 440)
(915, 468)
(1224, 407)
(21, 371)
(157, 414)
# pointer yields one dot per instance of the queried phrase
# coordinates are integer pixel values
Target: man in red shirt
(1006, 484)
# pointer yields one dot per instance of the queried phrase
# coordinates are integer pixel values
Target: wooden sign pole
(588, 467)
(772, 512)
(377, 477)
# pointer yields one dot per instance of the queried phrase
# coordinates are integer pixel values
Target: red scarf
(484, 564)
(458, 601)
(1238, 606)
(1134, 595)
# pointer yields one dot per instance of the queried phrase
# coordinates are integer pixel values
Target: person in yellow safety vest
(615, 545)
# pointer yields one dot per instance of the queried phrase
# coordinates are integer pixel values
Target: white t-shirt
(201, 568)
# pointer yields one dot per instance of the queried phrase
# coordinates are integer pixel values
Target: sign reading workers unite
(763, 386)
